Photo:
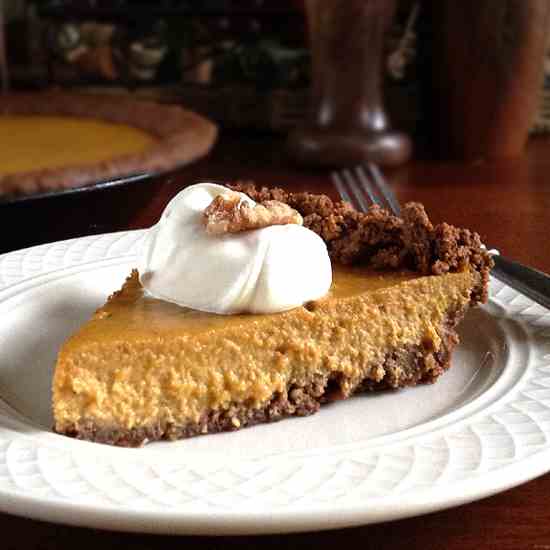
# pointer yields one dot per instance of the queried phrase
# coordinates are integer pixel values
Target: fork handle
(531, 282)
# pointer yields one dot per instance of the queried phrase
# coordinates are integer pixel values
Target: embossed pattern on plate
(484, 427)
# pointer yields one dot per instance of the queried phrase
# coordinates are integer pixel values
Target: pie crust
(181, 137)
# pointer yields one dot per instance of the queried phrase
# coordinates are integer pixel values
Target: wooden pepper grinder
(347, 124)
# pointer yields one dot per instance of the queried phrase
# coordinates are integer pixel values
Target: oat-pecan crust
(382, 240)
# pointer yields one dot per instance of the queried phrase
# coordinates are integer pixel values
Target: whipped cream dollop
(265, 270)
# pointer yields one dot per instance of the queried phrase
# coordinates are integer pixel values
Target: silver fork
(364, 186)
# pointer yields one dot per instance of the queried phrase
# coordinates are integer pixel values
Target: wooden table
(507, 203)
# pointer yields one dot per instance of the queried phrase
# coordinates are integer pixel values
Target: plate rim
(257, 522)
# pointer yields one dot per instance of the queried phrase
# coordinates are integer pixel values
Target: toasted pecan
(229, 214)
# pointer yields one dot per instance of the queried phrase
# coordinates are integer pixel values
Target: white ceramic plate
(484, 427)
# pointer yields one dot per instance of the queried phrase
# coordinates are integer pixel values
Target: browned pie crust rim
(383, 241)
(183, 136)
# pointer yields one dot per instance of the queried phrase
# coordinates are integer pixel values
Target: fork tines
(363, 186)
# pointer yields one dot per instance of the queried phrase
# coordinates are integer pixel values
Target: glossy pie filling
(40, 142)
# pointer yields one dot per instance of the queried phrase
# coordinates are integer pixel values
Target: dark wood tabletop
(508, 203)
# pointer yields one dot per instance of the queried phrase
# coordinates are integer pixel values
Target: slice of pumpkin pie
(250, 305)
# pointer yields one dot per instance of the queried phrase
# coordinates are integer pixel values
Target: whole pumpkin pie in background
(54, 140)
(144, 369)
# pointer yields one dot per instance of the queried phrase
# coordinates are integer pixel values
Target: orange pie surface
(37, 142)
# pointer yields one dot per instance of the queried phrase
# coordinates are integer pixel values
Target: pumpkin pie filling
(46, 142)
(144, 369)
(142, 361)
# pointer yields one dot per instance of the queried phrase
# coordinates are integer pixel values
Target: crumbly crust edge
(382, 240)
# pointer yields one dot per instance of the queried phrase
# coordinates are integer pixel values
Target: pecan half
(229, 214)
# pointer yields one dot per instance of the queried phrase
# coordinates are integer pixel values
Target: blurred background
(243, 63)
